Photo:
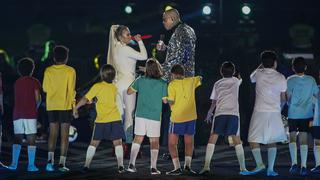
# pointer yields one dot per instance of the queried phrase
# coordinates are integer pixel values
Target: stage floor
(224, 164)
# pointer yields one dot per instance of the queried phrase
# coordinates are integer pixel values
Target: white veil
(112, 45)
(111, 60)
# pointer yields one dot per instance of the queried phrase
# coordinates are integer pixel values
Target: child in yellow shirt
(59, 85)
(108, 124)
(181, 97)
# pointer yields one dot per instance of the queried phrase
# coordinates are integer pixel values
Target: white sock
(304, 155)
(135, 147)
(257, 157)
(119, 155)
(316, 151)
(63, 160)
(208, 157)
(240, 156)
(154, 157)
(293, 153)
(31, 154)
(187, 161)
(272, 154)
(51, 157)
(176, 163)
(90, 153)
(16, 148)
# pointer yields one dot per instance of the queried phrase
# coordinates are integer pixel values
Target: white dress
(266, 125)
(124, 61)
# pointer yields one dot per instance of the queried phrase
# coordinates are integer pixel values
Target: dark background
(226, 34)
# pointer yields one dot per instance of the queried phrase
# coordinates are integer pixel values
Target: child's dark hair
(118, 32)
(227, 69)
(107, 73)
(299, 65)
(60, 54)
(153, 69)
(177, 69)
(25, 67)
(268, 58)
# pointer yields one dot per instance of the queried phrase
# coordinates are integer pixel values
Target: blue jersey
(316, 118)
(301, 92)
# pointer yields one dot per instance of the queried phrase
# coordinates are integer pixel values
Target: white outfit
(266, 124)
(226, 93)
(148, 127)
(25, 126)
(124, 59)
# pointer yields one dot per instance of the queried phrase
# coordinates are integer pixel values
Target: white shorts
(266, 128)
(25, 126)
(148, 127)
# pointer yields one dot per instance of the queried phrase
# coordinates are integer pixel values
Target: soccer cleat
(63, 168)
(189, 171)
(12, 167)
(175, 172)
(294, 169)
(121, 169)
(132, 168)
(316, 170)
(2, 166)
(49, 167)
(204, 172)
(304, 171)
(245, 172)
(155, 171)
(272, 173)
(258, 170)
(32, 168)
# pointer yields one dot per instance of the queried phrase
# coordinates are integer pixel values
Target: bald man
(181, 46)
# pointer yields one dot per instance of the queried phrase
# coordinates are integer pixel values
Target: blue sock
(31, 154)
(16, 148)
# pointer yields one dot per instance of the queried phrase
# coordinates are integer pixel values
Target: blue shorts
(184, 128)
(225, 125)
(109, 131)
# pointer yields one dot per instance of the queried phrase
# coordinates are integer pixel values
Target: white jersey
(226, 93)
(269, 85)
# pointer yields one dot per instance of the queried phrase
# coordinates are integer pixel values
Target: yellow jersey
(181, 92)
(59, 85)
(106, 106)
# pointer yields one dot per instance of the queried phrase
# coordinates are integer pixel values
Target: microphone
(160, 42)
(143, 37)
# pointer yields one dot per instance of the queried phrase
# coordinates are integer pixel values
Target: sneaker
(155, 171)
(32, 168)
(121, 169)
(12, 167)
(258, 170)
(49, 167)
(245, 172)
(304, 171)
(85, 170)
(63, 168)
(204, 172)
(316, 170)
(132, 168)
(272, 173)
(294, 169)
(189, 171)
(175, 172)
(2, 166)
